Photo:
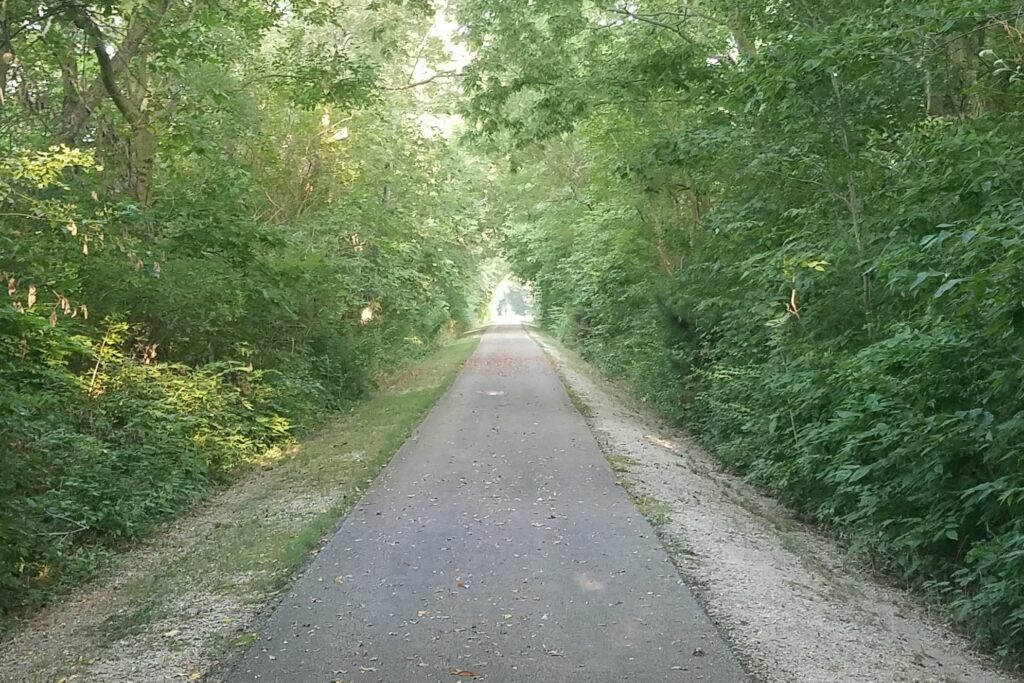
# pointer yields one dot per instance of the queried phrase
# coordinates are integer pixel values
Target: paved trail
(494, 545)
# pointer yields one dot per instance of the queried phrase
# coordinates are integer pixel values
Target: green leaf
(946, 286)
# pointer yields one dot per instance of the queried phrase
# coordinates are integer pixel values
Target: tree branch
(425, 81)
(644, 19)
(108, 77)
(688, 13)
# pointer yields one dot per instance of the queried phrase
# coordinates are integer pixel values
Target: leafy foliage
(219, 222)
(795, 226)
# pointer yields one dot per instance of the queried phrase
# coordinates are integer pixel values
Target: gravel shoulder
(793, 605)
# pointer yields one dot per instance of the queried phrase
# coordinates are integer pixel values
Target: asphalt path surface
(495, 546)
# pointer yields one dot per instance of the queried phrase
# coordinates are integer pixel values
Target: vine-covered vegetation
(219, 221)
(798, 226)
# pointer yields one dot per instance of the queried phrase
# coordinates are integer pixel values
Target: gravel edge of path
(788, 598)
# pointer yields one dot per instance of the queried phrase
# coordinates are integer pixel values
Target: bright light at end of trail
(512, 303)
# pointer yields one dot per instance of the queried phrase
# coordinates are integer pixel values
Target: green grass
(581, 406)
(262, 531)
(132, 621)
(619, 463)
(657, 512)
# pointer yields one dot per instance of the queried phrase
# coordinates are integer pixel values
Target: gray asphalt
(495, 545)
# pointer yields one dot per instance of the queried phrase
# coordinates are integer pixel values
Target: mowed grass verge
(335, 464)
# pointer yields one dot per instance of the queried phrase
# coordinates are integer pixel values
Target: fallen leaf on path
(461, 584)
(464, 673)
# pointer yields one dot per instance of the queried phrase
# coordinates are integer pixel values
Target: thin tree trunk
(141, 162)
(6, 58)
(737, 24)
(852, 199)
(934, 99)
(142, 150)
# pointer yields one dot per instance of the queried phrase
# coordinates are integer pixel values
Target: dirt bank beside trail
(787, 598)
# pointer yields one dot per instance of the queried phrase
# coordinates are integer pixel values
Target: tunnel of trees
(793, 226)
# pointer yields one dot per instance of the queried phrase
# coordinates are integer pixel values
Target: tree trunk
(737, 23)
(141, 161)
(6, 58)
(853, 201)
(964, 55)
(80, 107)
(130, 101)
(934, 99)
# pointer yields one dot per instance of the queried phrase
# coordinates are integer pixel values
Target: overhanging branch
(425, 81)
(101, 49)
(649, 20)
